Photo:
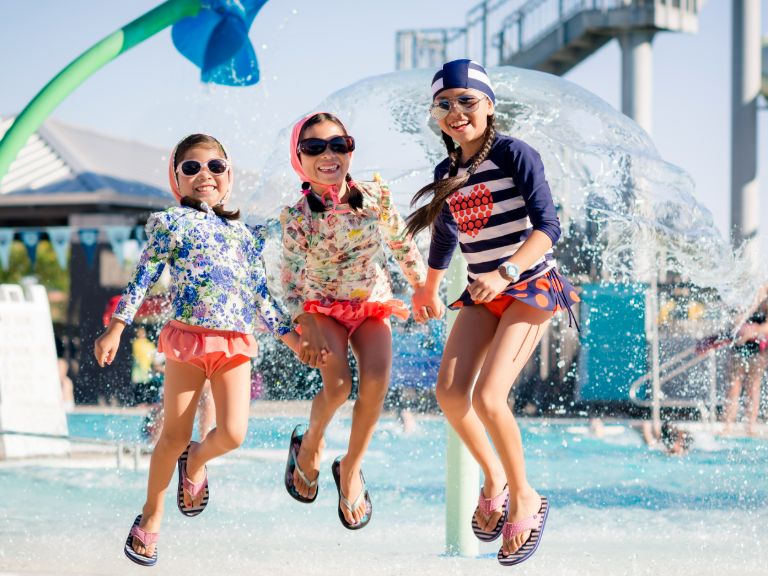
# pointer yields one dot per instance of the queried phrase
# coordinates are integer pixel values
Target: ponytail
(218, 209)
(424, 216)
(316, 204)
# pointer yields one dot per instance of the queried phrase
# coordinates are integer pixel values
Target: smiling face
(328, 168)
(205, 186)
(466, 128)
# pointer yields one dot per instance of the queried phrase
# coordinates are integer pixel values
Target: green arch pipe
(80, 69)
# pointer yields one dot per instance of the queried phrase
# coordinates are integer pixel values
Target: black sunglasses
(316, 146)
(191, 167)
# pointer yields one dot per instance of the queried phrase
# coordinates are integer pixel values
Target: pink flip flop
(146, 538)
(488, 506)
(533, 523)
(191, 488)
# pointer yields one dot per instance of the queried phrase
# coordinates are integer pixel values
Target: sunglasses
(316, 146)
(215, 166)
(442, 107)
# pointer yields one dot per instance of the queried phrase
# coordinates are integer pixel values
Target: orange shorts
(209, 350)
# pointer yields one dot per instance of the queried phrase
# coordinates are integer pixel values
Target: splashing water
(619, 201)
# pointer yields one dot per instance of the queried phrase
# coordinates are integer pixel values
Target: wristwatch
(509, 271)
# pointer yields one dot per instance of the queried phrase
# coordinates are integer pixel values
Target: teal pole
(462, 473)
(83, 67)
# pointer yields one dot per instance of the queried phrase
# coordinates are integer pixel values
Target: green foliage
(46, 269)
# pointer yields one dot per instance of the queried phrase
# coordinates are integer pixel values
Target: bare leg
(757, 368)
(372, 345)
(337, 384)
(232, 398)
(183, 384)
(206, 412)
(464, 352)
(519, 331)
(738, 375)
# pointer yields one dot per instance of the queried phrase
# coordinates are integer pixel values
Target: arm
(294, 267)
(403, 246)
(270, 312)
(527, 172)
(151, 263)
(311, 347)
(445, 237)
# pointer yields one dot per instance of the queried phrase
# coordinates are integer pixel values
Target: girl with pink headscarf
(339, 292)
(219, 294)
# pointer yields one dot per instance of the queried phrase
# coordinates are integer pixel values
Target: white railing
(670, 369)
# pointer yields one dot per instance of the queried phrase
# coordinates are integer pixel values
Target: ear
(491, 107)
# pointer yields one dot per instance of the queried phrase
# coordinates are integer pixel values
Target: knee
(338, 388)
(173, 440)
(230, 438)
(451, 400)
(374, 391)
(487, 406)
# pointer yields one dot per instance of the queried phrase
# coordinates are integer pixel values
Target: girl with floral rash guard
(219, 292)
(338, 290)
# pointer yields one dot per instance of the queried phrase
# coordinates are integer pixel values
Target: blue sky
(308, 49)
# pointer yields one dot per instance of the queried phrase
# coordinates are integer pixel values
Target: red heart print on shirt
(471, 210)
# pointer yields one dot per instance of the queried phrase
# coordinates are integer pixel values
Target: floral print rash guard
(339, 254)
(217, 271)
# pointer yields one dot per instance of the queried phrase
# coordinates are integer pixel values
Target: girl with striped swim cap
(490, 196)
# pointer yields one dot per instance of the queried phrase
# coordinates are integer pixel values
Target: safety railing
(673, 367)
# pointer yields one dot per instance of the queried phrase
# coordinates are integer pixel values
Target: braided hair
(424, 216)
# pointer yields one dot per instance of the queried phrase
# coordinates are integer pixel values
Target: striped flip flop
(487, 506)
(185, 484)
(146, 538)
(533, 523)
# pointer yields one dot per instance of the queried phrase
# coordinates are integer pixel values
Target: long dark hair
(424, 216)
(203, 140)
(316, 203)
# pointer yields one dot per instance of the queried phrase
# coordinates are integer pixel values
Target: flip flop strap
(489, 505)
(192, 488)
(307, 481)
(146, 538)
(352, 506)
(512, 529)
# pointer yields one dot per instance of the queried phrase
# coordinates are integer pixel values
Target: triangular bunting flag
(60, 237)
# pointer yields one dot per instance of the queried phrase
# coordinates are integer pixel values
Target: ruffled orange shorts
(351, 314)
(209, 350)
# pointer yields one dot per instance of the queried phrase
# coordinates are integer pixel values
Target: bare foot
(195, 474)
(150, 522)
(308, 459)
(494, 485)
(351, 488)
(524, 506)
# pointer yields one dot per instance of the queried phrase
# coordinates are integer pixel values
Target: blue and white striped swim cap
(462, 74)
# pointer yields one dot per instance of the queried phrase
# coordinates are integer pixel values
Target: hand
(293, 341)
(487, 286)
(313, 348)
(426, 304)
(105, 347)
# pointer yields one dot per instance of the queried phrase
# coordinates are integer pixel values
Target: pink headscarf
(173, 177)
(332, 191)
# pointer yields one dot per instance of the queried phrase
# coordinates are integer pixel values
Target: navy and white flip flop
(533, 523)
(146, 538)
(191, 488)
(487, 506)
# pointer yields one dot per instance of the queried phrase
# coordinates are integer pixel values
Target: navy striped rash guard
(495, 211)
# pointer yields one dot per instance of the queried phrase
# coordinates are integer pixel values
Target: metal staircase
(547, 35)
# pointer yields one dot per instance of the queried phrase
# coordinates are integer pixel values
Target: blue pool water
(617, 507)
